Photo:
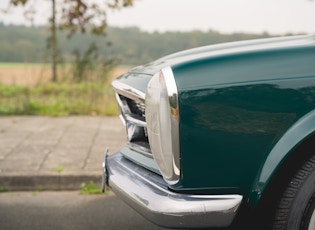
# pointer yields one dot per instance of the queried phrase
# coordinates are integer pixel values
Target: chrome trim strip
(135, 121)
(173, 102)
(172, 92)
(140, 149)
(121, 117)
(148, 194)
(132, 124)
(122, 109)
(128, 91)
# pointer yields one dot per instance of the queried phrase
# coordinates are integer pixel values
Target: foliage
(58, 99)
(22, 44)
(129, 45)
(90, 188)
(75, 15)
(85, 64)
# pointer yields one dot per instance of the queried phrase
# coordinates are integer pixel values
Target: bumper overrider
(149, 194)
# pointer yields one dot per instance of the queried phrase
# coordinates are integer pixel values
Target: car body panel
(139, 76)
(239, 79)
(243, 109)
(235, 109)
(245, 67)
(137, 81)
(227, 133)
(300, 131)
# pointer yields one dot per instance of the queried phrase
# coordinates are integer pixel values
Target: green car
(220, 136)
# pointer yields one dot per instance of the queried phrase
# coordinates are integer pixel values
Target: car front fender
(302, 129)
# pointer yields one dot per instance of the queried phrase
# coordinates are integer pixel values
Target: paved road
(69, 211)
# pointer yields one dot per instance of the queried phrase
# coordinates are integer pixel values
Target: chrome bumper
(148, 194)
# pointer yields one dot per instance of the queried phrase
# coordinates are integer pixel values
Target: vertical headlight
(162, 119)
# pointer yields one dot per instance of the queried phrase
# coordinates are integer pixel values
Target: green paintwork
(227, 133)
(233, 111)
(243, 107)
(138, 81)
(295, 135)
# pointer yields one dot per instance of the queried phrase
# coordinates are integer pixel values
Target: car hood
(139, 76)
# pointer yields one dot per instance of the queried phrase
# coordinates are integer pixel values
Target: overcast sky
(256, 16)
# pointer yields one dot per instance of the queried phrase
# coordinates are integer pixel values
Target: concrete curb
(54, 182)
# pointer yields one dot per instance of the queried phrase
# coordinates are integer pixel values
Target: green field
(26, 89)
(54, 99)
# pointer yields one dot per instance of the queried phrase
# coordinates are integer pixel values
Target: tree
(74, 16)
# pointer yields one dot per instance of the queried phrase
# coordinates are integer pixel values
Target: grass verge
(58, 99)
(90, 188)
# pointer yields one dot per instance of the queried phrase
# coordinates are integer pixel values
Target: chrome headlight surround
(162, 118)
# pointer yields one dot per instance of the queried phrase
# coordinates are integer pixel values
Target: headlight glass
(162, 119)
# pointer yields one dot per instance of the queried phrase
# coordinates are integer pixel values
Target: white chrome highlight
(162, 118)
(146, 192)
(128, 91)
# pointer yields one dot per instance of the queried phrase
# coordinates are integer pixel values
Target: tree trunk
(54, 42)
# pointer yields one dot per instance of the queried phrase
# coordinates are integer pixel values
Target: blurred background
(58, 57)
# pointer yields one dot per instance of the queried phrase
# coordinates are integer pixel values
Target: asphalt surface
(69, 211)
(50, 153)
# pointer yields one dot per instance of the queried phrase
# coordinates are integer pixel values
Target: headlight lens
(162, 119)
